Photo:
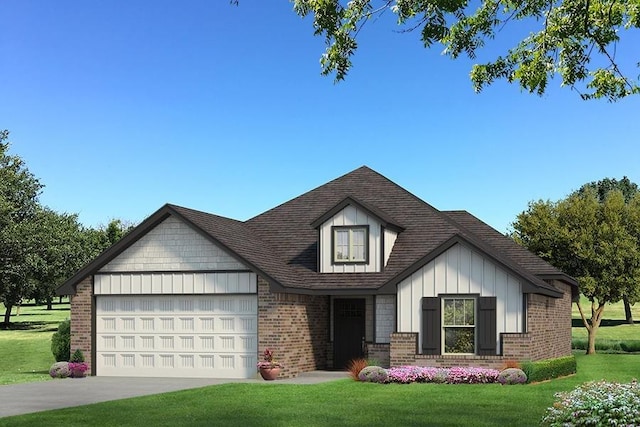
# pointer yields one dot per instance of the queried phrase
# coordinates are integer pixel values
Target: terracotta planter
(269, 374)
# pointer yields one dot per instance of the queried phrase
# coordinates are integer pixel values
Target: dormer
(354, 238)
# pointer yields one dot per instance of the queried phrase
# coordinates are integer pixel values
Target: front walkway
(18, 399)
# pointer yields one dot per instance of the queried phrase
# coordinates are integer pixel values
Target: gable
(460, 271)
(172, 245)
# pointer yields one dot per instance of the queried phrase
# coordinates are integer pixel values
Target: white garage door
(211, 336)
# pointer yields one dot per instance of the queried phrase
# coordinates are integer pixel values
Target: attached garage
(176, 336)
(174, 304)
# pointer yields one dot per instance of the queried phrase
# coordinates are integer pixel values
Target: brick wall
(549, 323)
(548, 336)
(295, 327)
(379, 353)
(81, 320)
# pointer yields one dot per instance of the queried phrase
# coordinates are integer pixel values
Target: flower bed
(596, 403)
(455, 375)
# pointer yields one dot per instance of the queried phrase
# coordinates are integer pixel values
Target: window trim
(444, 327)
(335, 229)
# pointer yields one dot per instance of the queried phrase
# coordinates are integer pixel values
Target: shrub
(355, 366)
(60, 370)
(630, 346)
(512, 376)
(596, 403)
(550, 368)
(77, 356)
(61, 342)
(373, 374)
(608, 346)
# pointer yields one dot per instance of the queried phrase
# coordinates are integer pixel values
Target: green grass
(25, 348)
(343, 402)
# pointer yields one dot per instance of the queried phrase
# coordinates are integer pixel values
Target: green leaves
(566, 38)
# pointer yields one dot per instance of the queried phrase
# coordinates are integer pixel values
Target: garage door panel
(179, 336)
(177, 365)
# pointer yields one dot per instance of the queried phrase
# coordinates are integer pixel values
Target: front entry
(348, 331)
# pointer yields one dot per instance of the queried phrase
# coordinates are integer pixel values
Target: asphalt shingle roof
(281, 243)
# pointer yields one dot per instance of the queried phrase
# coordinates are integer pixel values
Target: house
(356, 267)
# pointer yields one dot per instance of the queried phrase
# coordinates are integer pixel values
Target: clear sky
(120, 107)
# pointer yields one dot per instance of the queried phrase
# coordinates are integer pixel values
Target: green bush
(608, 346)
(542, 370)
(630, 346)
(77, 356)
(61, 342)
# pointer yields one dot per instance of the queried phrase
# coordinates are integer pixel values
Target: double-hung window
(350, 244)
(459, 325)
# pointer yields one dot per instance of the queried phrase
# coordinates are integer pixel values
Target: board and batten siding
(461, 271)
(389, 240)
(175, 283)
(352, 215)
(173, 246)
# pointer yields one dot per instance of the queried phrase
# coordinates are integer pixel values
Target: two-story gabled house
(358, 267)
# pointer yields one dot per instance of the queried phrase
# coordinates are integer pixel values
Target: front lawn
(25, 348)
(343, 402)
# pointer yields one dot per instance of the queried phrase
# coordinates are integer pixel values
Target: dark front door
(348, 331)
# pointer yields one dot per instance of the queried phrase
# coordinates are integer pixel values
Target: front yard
(26, 356)
(342, 402)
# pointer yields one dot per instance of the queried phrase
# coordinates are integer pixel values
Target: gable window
(350, 244)
(459, 325)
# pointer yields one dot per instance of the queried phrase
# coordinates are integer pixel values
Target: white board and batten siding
(461, 271)
(352, 215)
(174, 304)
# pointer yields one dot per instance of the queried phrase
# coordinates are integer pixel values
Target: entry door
(348, 331)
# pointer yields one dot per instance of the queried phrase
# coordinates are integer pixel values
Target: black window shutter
(431, 325)
(486, 326)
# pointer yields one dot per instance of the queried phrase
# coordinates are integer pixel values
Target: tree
(575, 39)
(63, 247)
(628, 190)
(19, 191)
(594, 242)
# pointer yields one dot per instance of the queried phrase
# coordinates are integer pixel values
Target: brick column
(82, 320)
(404, 346)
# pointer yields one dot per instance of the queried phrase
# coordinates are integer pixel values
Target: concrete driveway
(18, 399)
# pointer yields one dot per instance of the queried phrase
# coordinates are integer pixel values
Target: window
(463, 329)
(459, 325)
(350, 244)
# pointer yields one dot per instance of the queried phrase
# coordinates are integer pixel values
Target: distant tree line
(39, 248)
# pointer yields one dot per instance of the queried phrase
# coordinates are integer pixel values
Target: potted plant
(77, 366)
(268, 366)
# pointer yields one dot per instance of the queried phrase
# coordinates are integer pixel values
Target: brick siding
(82, 312)
(295, 327)
(378, 353)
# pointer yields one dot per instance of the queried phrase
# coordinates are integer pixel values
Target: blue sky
(120, 107)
